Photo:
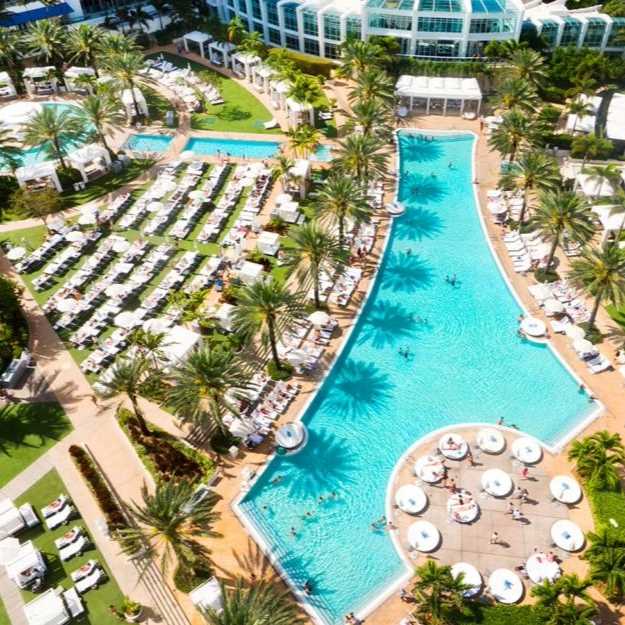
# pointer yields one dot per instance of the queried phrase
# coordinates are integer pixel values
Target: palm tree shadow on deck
(406, 273)
(417, 224)
(386, 324)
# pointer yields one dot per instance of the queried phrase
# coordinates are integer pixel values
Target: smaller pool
(239, 148)
(322, 153)
(149, 143)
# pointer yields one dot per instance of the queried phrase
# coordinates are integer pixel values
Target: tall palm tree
(150, 345)
(127, 377)
(599, 458)
(533, 171)
(270, 309)
(340, 198)
(518, 93)
(11, 45)
(373, 84)
(104, 115)
(579, 108)
(438, 595)
(601, 273)
(84, 44)
(253, 44)
(10, 152)
(55, 129)
(260, 603)
(373, 117)
(168, 523)
(529, 65)
(516, 131)
(562, 213)
(125, 68)
(606, 555)
(282, 169)
(303, 140)
(315, 251)
(45, 39)
(358, 55)
(118, 43)
(305, 89)
(235, 30)
(363, 156)
(206, 385)
(565, 601)
(591, 146)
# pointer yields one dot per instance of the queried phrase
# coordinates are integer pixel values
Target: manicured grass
(96, 601)
(241, 111)
(4, 617)
(158, 106)
(606, 505)
(503, 615)
(26, 432)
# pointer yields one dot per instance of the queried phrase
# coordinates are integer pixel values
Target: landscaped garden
(97, 600)
(13, 326)
(26, 432)
(4, 617)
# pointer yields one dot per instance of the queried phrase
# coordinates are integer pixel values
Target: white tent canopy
(300, 113)
(199, 38)
(242, 63)
(46, 609)
(219, 52)
(208, 596)
(92, 155)
(224, 316)
(7, 88)
(268, 242)
(615, 120)
(594, 186)
(26, 558)
(40, 80)
(179, 342)
(425, 89)
(612, 219)
(584, 123)
(74, 72)
(11, 520)
(250, 272)
(261, 76)
(38, 172)
(129, 103)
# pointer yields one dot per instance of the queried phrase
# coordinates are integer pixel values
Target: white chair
(91, 581)
(74, 549)
(61, 517)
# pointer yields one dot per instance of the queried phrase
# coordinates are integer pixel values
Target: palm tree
(125, 68)
(305, 89)
(10, 152)
(282, 169)
(45, 39)
(104, 115)
(528, 65)
(599, 459)
(363, 156)
(340, 198)
(518, 93)
(268, 307)
(606, 555)
(532, 171)
(579, 108)
(11, 45)
(562, 213)
(565, 601)
(127, 377)
(235, 30)
(84, 44)
(591, 146)
(118, 43)
(358, 55)
(517, 130)
(373, 84)
(168, 523)
(260, 603)
(150, 345)
(206, 385)
(314, 251)
(438, 594)
(303, 140)
(373, 117)
(253, 44)
(55, 129)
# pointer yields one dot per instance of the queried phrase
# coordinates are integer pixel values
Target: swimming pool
(149, 143)
(467, 365)
(238, 148)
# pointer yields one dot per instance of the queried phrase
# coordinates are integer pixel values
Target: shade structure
(533, 327)
(505, 586)
(567, 535)
(453, 446)
(16, 253)
(496, 482)
(125, 320)
(46, 609)
(490, 440)
(319, 318)
(566, 489)
(539, 568)
(615, 120)
(66, 305)
(9, 549)
(116, 290)
(155, 207)
(527, 450)
(429, 469)
(470, 576)
(462, 507)
(88, 217)
(198, 194)
(75, 236)
(291, 435)
(437, 88)
(574, 332)
(540, 292)
(251, 272)
(423, 536)
(156, 325)
(11, 520)
(583, 346)
(283, 198)
(411, 498)
(553, 306)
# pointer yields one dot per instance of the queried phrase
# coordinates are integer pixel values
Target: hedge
(13, 325)
(310, 64)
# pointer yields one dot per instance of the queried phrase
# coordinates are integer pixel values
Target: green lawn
(158, 106)
(241, 111)
(26, 432)
(96, 601)
(4, 617)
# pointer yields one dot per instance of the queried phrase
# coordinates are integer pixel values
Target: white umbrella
(553, 306)
(533, 326)
(66, 305)
(154, 207)
(56, 223)
(540, 292)
(116, 290)
(75, 236)
(574, 332)
(283, 198)
(121, 245)
(319, 318)
(88, 218)
(15, 253)
(583, 346)
(125, 320)
(156, 325)
(296, 357)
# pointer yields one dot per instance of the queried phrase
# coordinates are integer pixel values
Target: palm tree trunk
(106, 146)
(273, 342)
(524, 206)
(59, 153)
(595, 309)
(134, 99)
(139, 415)
(315, 271)
(341, 230)
(552, 252)
(94, 65)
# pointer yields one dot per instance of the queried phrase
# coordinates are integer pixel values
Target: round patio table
(453, 446)
(565, 489)
(471, 577)
(424, 536)
(505, 586)
(490, 440)
(496, 482)
(539, 568)
(429, 469)
(527, 450)
(567, 535)
(411, 498)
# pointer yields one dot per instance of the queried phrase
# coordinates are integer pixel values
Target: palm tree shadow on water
(415, 149)
(421, 188)
(388, 323)
(418, 223)
(404, 272)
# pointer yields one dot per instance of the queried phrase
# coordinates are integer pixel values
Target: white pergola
(46, 609)
(300, 113)
(199, 39)
(584, 123)
(208, 596)
(219, 52)
(71, 74)
(129, 103)
(594, 186)
(38, 173)
(438, 93)
(300, 175)
(615, 121)
(242, 64)
(261, 76)
(7, 88)
(89, 157)
(277, 92)
(612, 219)
(40, 80)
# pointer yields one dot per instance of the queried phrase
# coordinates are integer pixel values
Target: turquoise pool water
(468, 365)
(149, 143)
(238, 148)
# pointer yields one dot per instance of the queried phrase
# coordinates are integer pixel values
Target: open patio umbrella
(553, 306)
(121, 245)
(87, 219)
(116, 290)
(16, 253)
(125, 320)
(583, 346)
(75, 236)
(154, 207)
(319, 318)
(66, 305)
(574, 332)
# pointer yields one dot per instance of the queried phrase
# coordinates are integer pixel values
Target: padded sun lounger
(60, 518)
(74, 549)
(73, 602)
(91, 581)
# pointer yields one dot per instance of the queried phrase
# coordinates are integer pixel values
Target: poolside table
(453, 446)
(429, 469)
(490, 440)
(505, 586)
(539, 568)
(471, 577)
(411, 498)
(567, 535)
(565, 489)
(423, 536)
(527, 450)
(496, 482)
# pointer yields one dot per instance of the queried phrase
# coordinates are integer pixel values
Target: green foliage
(615, 8)
(284, 372)
(13, 326)
(421, 67)
(304, 62)
(606, 505)
(222, 441)
(187, 579)
(567, 65)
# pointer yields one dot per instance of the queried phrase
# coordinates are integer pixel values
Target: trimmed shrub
(283, 373)
(13, 326)
(309, 64)
(186, 580)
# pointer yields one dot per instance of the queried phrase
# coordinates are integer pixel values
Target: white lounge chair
(272, 123)
(73, 602)
(68, 538)
(91, 581)
(60, 518)
(29, 515)
(599, 364)
(84, 571)
(74, 549)
(54, 507)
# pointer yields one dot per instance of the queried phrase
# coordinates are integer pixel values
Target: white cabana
(37, 175)
(7, 88)
(438, 93)
(219, 52)
(300, 113)
(71, 74)
(268, 243)
(40, 80)
(261, 77)
(199, 39)
(299, 177)
(208, 596)
(250, 273)
(594, 186)
(612, 219)
(11, 520)
(46, 609)
(289, 212)
(277, 92)
(224, 316)
(179, 342)
(584, 123)
(90, 159)
(242, 64)
(129, 102)
(26, 565)
(615, 120)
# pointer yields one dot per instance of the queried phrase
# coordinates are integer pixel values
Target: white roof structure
(585, 123)
(224, 316)
(615, 121)
(38, 72)
(246, 58)
(38, 171)
(87, 155)
(595, 186)
(179, 342)
(268, 242)
(612, 219)
(7, 88)
(26, 557)
(18, 113)
(438, 87)
(250, 272)
(46, 609)
(301, 168)
(75, 71)
(198, 37)
(11, 520)
(208, 596)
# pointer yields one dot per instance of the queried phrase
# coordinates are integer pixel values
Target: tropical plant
(358, 55)
(562, 214)
(282, 169)
(565, 601)
(45, 39)
(84, 44)
(268, 308)
(340, 199)
(529, 65)
(373, 84)
(134, 17)
(591, 146)
(10, 152)
(305, 89)
(118, 43)
(606, 555)
(262, 603)
(599, 459)
(206, 386)
(168, 523)
(363, 156)
(235, 30)
(314, 251)
(125, 68)
(303, 140)
(516, 131)
(518, 93)
(253, 43)
(103, 114)
(372, 117)
(39, 203)
(438, 595)
(149, 345)
(580, 108)
(533, 171)
(55, 129)
(11, 45)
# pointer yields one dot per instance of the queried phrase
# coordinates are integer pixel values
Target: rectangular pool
(149, 143)
(238, 148)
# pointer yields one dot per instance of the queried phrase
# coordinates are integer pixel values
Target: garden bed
(13, 325)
